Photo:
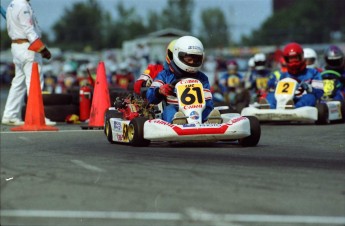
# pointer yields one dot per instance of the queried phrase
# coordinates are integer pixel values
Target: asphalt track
(295, 176)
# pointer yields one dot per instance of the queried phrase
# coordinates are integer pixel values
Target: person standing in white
(26, 48)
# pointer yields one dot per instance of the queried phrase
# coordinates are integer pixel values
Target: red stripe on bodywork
(200, 131)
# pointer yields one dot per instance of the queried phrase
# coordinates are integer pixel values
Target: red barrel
(84, 103)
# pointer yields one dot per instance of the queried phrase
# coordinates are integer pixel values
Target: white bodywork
(236, 127)
(334, 110)
(298, 114)
(191, 102)
(285, 91)
(159, 130)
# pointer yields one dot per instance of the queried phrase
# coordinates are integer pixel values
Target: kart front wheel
(136, 132)
(255, 133)
(322, 114)
(342, 110)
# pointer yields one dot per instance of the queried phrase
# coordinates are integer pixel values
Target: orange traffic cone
(34, 116)
(100, 100)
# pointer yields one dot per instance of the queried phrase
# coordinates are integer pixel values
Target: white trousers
(23, 60)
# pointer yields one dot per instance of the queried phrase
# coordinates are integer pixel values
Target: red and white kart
(322, 113)
(139, 124)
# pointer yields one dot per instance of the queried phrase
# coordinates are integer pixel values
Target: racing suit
(26, 48)
(146, 78)
(225, 85)
(257, 84)
(309, 76)
(231, 86)
(166, 76)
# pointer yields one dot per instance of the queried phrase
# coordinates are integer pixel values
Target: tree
(214, 30)
(80, 27)
(178, 14)
(128, 26)
(308, 21)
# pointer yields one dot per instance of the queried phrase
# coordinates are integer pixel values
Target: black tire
(255, 133)
(54, 99)
(74, 92)
(136, 132)
(111, 113)
(322, 114)
(240, 106)
(57, 113)
(108, 132)
(342, 108)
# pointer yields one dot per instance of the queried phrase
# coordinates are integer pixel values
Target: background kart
(135, 126)
(324, 112)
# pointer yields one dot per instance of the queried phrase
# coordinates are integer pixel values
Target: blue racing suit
(310, 76)
(166, 76)
(226, 86)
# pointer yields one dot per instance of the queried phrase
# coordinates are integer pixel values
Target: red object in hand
(137, 86)
(166, 90)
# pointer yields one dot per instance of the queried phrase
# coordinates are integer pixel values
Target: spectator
(27, 48)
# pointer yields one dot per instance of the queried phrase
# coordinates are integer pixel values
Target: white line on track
(87, 166)
(196, 216)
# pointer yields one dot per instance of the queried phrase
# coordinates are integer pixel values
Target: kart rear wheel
(136, 132)
(322, 114)
(255, 133)
(108, 132)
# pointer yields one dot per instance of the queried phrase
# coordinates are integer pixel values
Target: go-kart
(137, 123)
(335, 109)
(287, 88)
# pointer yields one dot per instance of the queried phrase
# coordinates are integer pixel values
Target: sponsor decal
(125, 132)
(194, 115)
(117, 126)
(238, 119)
(160, 122)
(195, 47)
(119, 137)
(211, 125)
(187, 81)
(192, 106)
(189, 125)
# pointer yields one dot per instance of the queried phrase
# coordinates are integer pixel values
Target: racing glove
(166, 90)
(307, 87)
(46, 53)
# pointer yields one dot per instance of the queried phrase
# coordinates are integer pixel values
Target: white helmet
(260, 61)
(311, 57)
(251, 63)
(188, 47)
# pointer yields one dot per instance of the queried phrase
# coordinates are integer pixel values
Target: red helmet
(232, 65)
(294, 57)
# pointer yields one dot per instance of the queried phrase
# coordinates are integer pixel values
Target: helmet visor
(192, 60)
(293, 58)
(334, 62)
(310, 60)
